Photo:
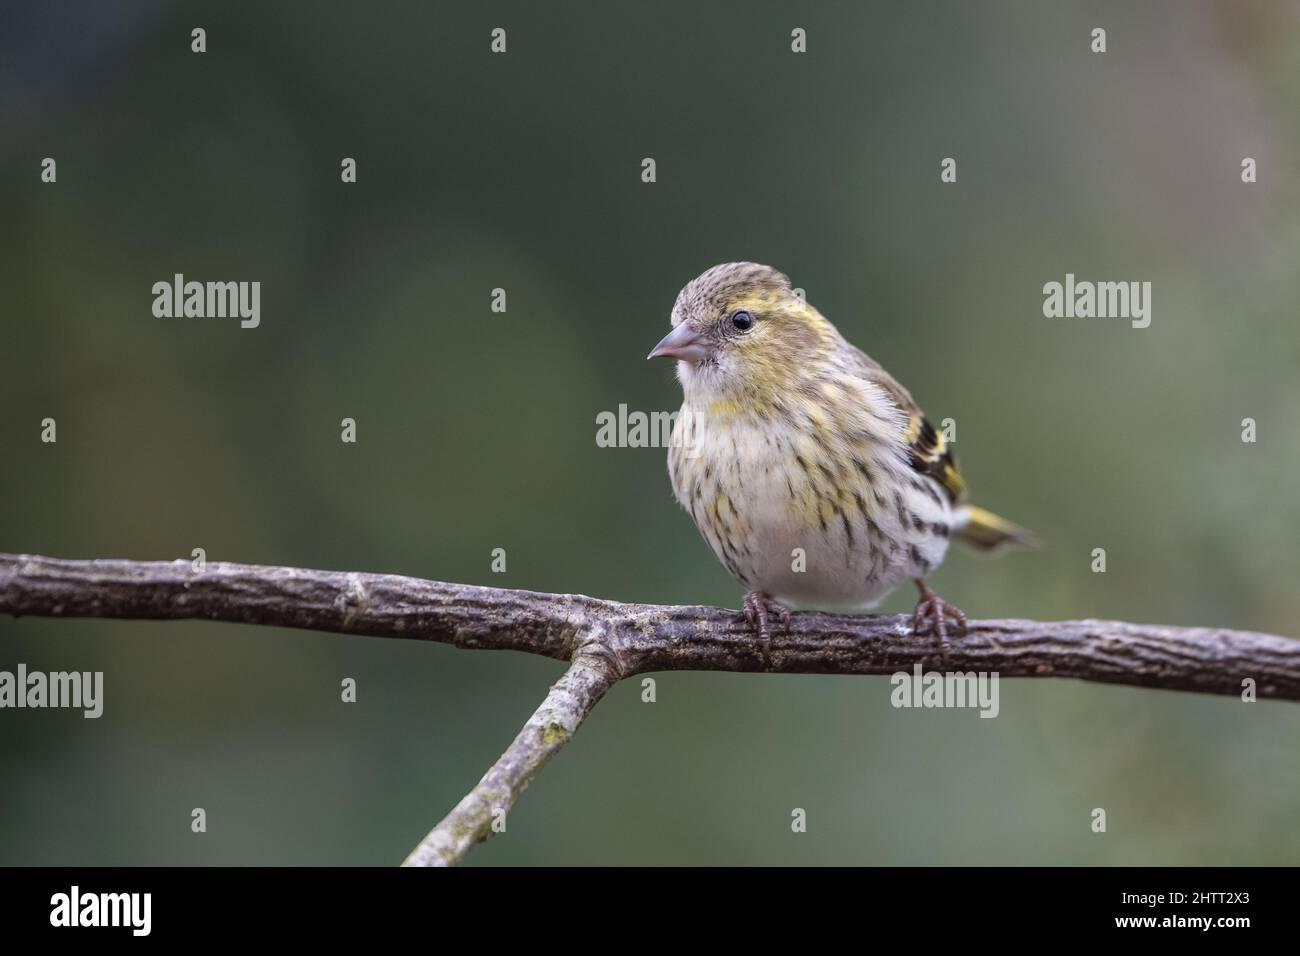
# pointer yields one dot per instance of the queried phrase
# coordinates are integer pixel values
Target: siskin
(810, 472)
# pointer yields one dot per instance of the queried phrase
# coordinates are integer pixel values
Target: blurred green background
(477, 430)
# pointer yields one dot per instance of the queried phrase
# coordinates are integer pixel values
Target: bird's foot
(759, 608)
(932, 613)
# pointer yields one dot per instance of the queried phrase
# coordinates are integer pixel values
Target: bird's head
(741, 333)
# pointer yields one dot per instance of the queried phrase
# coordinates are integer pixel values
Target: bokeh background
(477, 430)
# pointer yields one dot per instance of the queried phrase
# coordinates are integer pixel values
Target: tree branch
(552, 724)
(608, 640)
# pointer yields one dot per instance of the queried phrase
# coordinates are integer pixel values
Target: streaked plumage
(791, 442)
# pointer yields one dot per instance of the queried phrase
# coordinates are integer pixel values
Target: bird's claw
(932, 613)
(758, 607)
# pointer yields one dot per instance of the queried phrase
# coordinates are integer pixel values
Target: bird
(812, 474)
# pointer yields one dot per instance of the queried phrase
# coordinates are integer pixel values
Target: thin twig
(609, 640)
(483, 810)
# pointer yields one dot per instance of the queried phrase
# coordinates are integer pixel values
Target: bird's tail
(985, 531)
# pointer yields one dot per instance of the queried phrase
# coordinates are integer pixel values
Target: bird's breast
(814, 515)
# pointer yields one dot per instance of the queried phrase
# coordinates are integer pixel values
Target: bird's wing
(929, 454)
(927, 450)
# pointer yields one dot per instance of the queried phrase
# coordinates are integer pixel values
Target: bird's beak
(683, 342)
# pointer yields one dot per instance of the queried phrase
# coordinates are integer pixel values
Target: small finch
(810, 472)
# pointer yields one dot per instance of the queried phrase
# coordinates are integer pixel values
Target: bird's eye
(742, 321)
